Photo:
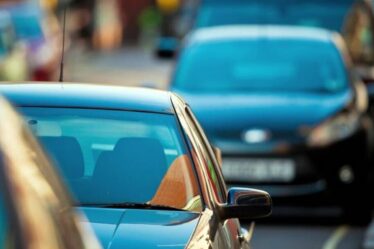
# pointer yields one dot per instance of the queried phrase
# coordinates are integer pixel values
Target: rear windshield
(261, 66)
(325, 14)
(109, 157)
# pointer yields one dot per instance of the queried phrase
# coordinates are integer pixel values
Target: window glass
(244, 65)
(110, 157)
(324, 14)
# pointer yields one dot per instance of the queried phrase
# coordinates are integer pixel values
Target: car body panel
(280, 113)
(87, 96)
(119, 228)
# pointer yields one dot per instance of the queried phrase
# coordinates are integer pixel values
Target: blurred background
(137, 43)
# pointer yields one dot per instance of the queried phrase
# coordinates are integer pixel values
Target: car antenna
(63, 47)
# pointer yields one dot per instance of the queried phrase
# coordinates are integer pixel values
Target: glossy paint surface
(134, 228)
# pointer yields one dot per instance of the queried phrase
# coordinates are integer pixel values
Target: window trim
(211, 154)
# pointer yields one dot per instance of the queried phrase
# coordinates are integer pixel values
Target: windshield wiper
(134, 205)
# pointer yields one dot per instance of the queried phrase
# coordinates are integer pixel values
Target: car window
(244, 66)
(206, 153)
(110, 157)
(359, 34)
(324, 14)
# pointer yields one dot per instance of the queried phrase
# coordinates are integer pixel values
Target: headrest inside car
(67, 154)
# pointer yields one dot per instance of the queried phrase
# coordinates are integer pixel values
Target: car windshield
(261, 65)
(109, 157)
(325, 14)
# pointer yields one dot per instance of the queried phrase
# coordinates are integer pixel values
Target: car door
(230, 229)
(39, 210)
(224, 234)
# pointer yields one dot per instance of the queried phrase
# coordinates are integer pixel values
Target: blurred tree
(149, 22)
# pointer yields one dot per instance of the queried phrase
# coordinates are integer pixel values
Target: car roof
(251, 32)
(87, 96)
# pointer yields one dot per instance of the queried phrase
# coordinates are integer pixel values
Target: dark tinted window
(261, 65)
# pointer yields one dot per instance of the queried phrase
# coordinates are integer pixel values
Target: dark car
(139, 165)
(35, 209)
(285, 108)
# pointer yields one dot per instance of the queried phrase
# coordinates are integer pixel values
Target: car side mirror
(246, 203)
(218, 154)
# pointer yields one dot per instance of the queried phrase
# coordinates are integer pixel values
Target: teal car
(139, 165)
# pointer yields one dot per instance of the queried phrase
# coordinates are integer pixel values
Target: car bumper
(327, 173)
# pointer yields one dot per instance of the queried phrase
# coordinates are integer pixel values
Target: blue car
(285, 108)
(354, 19)
(139, 166)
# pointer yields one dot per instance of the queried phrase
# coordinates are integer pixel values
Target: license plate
(259, 170)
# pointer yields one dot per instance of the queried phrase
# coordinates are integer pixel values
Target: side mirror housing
(245, 203)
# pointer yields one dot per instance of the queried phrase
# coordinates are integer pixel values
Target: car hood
(135, 228)
(283, 114)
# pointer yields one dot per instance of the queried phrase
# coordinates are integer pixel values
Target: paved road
(134, 67)
(129, 66)
(307, 236)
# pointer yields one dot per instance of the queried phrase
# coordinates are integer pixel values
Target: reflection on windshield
(113, 157)
(261, 65)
